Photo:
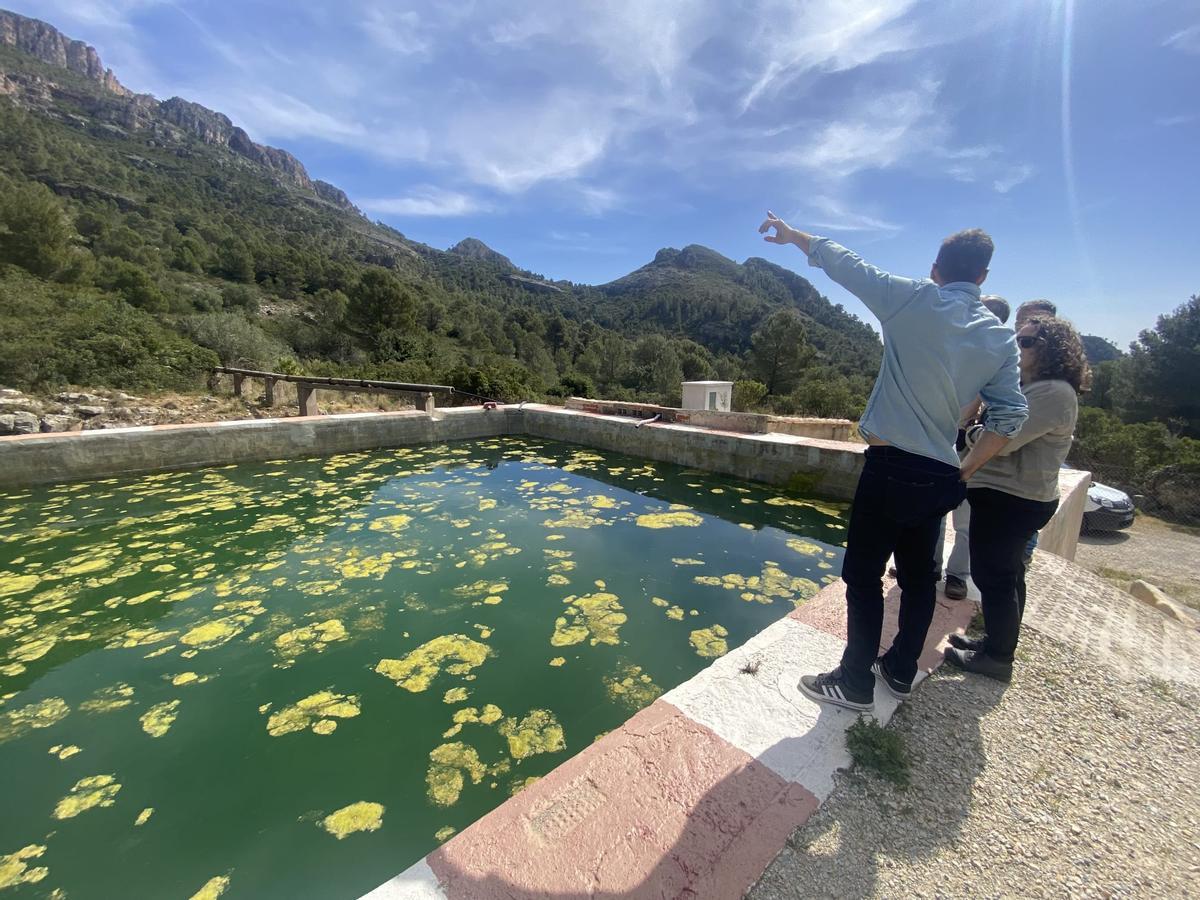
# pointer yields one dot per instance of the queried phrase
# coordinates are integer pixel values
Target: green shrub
(878, 750)
(236, 341)
(53, 335)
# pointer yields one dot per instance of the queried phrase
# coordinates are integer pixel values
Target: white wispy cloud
(487, 97)
(831, 214)
(426, 201)
(395, 31)
(1015, 176)
(1187, 40)
(1172, 121)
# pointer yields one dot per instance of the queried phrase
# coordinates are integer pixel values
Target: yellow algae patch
(217, 632)
(444, 834)
(685, 561)
(319, 587)
(96, 790)
(669, 520)
(599, 615)
(455, 695)
(600, 501)
(710, 642)
(558, 580)
(159, 652)
(675, 613)
(558, 661)
(360, 816)
(538, 732)
(159, 718)
(490, 715)
(494, 600)
(139, 637)
(481, 587)
(521, 783)
(416, 670)
(144, 816)
(96, 560)
(576, 518)
(559, 554)
(213, 888)
(64, 752)
(486, 503)
(448, 762)
(312, 711)
(17, 584)
(773, 584)
(356, 566)
(107, 699)
(632, 687)
(290, 644)
(272, 523)
(185, 678)
(391, 524)
(35, 648)
(659, 601)
(15, 870)
(183, 594)
(805, 548)
(556, 537)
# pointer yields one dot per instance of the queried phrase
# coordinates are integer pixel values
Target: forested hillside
(143, 241)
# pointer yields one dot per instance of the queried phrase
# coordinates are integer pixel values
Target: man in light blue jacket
(941, 349)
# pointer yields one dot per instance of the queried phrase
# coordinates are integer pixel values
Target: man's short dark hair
(965, 256)
(1036, 308)
(997, 305)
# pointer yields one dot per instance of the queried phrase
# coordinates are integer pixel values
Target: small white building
(710, 395)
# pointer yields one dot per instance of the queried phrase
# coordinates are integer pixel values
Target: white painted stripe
(765, 714)
(417, 882)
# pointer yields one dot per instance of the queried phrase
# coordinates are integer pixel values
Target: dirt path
(1077, 780)
(1166, 556)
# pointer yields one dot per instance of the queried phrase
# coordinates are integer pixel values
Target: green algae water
(294, 679)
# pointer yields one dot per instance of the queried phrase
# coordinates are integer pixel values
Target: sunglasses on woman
(1027, 341)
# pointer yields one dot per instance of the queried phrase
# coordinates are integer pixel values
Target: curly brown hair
(1060, 353)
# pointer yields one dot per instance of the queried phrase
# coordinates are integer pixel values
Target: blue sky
(580, 137)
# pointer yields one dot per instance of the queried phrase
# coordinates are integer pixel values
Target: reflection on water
(296, 678)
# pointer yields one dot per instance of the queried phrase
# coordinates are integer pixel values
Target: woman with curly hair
(1016, 493)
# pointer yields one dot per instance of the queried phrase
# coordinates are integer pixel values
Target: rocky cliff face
(136, 112)
(47, 43)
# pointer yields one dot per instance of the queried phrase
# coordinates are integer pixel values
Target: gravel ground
(1151, 550)
(1067, 783)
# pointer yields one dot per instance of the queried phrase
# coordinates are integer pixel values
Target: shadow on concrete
(846, 849)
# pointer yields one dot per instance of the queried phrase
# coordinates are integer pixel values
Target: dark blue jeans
(898, 509)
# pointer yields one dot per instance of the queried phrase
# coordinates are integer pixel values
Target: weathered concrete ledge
(824, 468)
(748, 423)
(72, 456)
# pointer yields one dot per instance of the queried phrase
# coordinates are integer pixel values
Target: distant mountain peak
(134, 112)
(43, 41)
(473, 248)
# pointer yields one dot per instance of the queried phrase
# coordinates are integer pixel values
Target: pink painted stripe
(827, 612)
(661, 807)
